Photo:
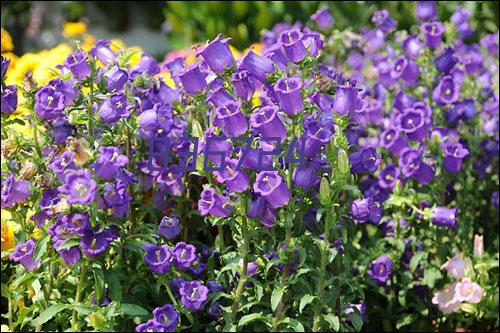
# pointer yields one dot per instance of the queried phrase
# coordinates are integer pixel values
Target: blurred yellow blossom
(73, 29)
(7, 44)
(9, 227)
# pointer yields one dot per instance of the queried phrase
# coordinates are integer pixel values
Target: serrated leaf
(294, 324)
(133, 310)
(84, 309)
(307, 299)
(415, 260)
(250, 318)
(276, 296)
(333, 321)
(68, 244)
(48, 314)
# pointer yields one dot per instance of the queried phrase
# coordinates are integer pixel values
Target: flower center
(82, 190)
(93, 244)
(50, 99)
(24, 249)
(158, 255)
(119, 104)
(195, 290)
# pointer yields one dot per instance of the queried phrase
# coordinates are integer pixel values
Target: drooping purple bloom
(192, 79)
(230, 119)
(306, 176)
(444, 217)
(490, 42)
(244, 84)
(366, 160)
(103, 52)
(495, 199)
(169, 227)
(454, 153)
(167, 317)
(213, 204)
(76, 223)
(23, 254)
(260, 210)
(115, 78)
(271, 186)
(388, 177)
(289, 94)
(9, 99)
(5, 65)
(432, 33)
(79, 187)
(158, 258)
(364, 210)
(446, 60)
(14, 191)
(381, 269)
(217, 54)
(78, 65)
(323, 18)
(114, 108)
(259, 66)
(171, 180)
(236, 181)
(346, 99)
(193, 295)
(219, 97)
(383, 20)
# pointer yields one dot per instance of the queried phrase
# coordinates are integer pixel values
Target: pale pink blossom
(446, 299)
(478, 246)
(468, 291)
(455, 266)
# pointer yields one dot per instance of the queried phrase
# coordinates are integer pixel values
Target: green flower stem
(90, 125)
(79, 287)
(9, 313)
(324, 258)
(244, 253)
(35, 140)
(130, 189)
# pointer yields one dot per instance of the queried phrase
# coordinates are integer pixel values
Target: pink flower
(455, 266)
(468, 291)
(478, 246)
(446, 299)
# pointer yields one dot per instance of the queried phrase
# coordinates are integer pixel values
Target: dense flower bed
(321, 180)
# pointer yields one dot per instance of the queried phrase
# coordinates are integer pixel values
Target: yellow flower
(9, 227)
(5, 328)
(137, 56)
(167, 78)
(7, 44)
(73, 29)
(88, 42)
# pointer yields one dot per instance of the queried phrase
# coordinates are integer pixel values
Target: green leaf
(99, 285)
(431, 274)
(5, 291)
(133, 310)
(333, 321)
(84, 309)
(306, 300)
(294, 324)
(250, 318)
(276, 297)
(41, 248)
(356, 321)
(405, 321)
(68, 244)
(48, 314)
(415, 260)
(115, 287)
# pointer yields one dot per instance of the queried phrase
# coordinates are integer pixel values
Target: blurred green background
(159, 26)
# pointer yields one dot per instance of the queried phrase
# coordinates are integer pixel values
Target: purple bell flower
(49, 103)
(94, 243)
(412, 46)
(220, 97)
(114, 108)
(167, 317)
(364, 210)
(489, 42)
(115, 78)
(192, 79)
(388, 177)
(412, 166)
(158, 258)
(323, 18)
(271, 186)
(383, 20)
(306, 176)
(454, 153)
(103, 52)
(244, 85)
(346, 100)
(14, 191)
(170, 227)
(76, 223)
(257, 65)
(289, 94)
(427, 10)
(193, 295)
(23, 254)
(183, 255)
(78, 65)
(267, 122)
(109, 162)
(236, 181)
(9, 99)
(292, 41)
(213, 204)
(413, 122)
(79, 187)
(61, 131)
(230, 119)
(495, 199)
(381, 269)
(217, 54)
(146, 65)
(150, 326)
(175, 66)
(317, 134)
(260, 210)
(444, 217)
(447, 91)
(407, 70)
(432, 33)
(446, 60)
(171, 180)
(70, 256)
(366, 160)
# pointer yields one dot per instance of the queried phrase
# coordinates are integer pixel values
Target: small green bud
(343, 162)
(467, 307)
(197, 131)
(324, 192)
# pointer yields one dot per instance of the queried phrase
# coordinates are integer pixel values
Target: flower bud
(324, 192)
(343, 162)
(197, 130)
(8, 146)
(48, 180)
(478, 246)
(28, 170)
